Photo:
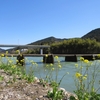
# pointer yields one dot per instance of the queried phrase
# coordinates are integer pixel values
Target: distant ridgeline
(2, 50)
(89, 43)
(94, 34)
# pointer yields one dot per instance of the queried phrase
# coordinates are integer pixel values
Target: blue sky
(26, 21)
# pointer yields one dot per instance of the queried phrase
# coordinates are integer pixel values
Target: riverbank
(22, 90)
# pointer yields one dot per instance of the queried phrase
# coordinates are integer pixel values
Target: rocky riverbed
(22, 90)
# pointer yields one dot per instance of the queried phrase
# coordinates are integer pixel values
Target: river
(40, 70)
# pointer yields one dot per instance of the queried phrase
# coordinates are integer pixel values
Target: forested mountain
(48, 40)
(94, 34)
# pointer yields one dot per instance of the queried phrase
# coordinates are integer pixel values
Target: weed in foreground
(85, 78)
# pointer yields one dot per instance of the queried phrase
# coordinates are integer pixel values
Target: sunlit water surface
(41, 70)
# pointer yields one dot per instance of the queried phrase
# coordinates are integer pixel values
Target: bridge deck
(59, 55)
(25, 46)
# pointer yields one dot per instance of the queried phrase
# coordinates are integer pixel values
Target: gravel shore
(22, 90)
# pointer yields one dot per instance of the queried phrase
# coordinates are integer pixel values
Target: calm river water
(41, 70)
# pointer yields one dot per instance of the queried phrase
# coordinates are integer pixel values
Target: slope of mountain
(48, 40)
(2, 50)
(45, 41)
(94, 34)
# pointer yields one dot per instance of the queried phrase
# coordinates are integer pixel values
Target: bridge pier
(97, 58)
(48, 59)
(71, 58)
(89, 57)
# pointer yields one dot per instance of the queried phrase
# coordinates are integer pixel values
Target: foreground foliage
(85, 79)
(17, 71)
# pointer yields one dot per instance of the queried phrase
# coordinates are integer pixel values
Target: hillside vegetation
(47, 41)
(76, 46)
(94, 34)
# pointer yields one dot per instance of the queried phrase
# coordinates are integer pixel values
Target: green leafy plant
(56, 94)
(85, 79)
(10, 68)
(1, 78)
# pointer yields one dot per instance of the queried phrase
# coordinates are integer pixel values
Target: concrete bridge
(50, 57)
(26, 46)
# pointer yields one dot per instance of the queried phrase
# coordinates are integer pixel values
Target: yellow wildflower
(86, 61)
(19, 64)
(52, 69)
(81, 67)
(36, 64)
(13, 66)
(21, 60)
(98, 55)
(51, 64)
(2, 55)
(78, 75)
(18, 51)
(58, 61)
(59, 66)
(46, 55)
(76, 65)
(33, 63)
(47, 65)
(10, 61)
(6, 56)
(17, 61)
(56, 57)
(6, 52)
(84, 78)
(81, 58)
(85, 75)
